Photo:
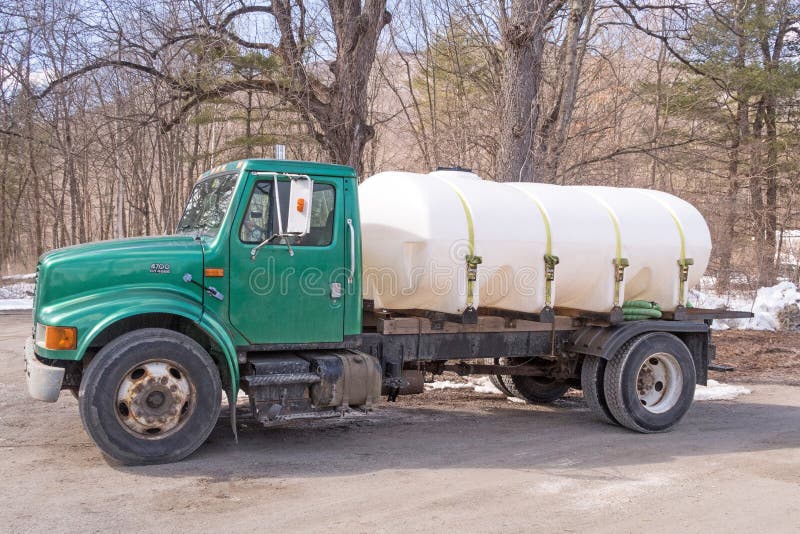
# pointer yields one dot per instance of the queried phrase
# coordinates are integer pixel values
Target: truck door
(278, 297)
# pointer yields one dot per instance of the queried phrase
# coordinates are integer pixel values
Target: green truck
(260, 290)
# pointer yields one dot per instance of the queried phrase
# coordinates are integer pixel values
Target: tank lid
(457, 168)
(456, 172)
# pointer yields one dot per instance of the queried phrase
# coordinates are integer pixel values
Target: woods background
(111, 109)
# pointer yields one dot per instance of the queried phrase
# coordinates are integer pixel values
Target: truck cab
(265, 255)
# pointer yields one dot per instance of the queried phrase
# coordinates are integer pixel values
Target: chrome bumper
(44, 381)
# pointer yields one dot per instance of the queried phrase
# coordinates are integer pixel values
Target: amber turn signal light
(301, 204)
(61, 338)
(214, 272)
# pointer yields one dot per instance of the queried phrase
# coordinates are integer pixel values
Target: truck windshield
(207, 205)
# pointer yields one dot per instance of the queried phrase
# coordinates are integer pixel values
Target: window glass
(255, 226)
(322, 217)
(260, 220)
(207, 205)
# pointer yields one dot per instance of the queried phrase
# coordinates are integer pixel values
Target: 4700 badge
(160, 268)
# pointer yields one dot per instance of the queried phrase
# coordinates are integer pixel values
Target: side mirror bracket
(298, 219)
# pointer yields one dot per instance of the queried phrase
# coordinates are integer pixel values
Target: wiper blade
(200, 227)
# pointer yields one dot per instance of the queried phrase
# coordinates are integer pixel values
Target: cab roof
(284, 165)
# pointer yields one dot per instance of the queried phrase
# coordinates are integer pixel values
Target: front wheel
(150, 396)
(649, 383)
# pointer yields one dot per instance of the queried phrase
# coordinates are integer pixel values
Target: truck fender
(605, 341)
(93, 315)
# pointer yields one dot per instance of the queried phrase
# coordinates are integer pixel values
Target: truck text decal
(160, 268)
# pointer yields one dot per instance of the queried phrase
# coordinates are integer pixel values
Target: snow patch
(17, 277)
(16, 304)
(16, 296)
(479, 385)
(772, 307)
(483, 384)
(717, 391)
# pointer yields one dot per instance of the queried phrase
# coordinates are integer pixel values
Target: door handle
(352, 251)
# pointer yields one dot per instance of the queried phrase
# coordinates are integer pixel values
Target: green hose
(638, 310)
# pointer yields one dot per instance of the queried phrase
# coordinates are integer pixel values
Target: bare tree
(524, 28)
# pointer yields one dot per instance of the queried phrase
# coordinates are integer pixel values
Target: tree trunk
(555, 130)
(739, 134)
(335, 111)
(767, 273)
(523, 39)
(345, 123)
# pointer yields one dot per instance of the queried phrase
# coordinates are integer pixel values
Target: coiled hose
(638, 310)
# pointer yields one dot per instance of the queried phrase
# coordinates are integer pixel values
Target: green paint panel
(280, 297)
(83, 286)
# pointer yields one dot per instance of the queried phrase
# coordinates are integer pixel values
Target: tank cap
(456, 168)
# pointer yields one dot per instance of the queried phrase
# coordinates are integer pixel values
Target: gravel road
(443, 461)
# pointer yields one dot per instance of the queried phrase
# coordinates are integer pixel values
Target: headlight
(57, 337)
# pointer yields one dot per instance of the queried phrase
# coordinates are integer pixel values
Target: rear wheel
(592, 372)
(649, 384)
(538, 390)
(501, 382)
(150, 396)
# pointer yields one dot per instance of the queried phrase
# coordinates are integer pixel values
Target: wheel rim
(154, 399)
(659, 382)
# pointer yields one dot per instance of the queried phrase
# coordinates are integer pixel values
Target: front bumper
(44, 381)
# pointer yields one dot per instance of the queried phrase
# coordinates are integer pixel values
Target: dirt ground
(762, 357)
(448, 460)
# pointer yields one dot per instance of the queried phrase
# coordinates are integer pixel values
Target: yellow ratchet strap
(619, 262)
(550, 260)
(683, 261)
(472, 260)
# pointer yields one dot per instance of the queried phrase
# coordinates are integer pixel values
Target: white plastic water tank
(420, 229)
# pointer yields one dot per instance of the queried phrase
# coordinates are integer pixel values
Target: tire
(592, 372)
(150, 396)
(537, 390)
(657, 400)
(500, 382)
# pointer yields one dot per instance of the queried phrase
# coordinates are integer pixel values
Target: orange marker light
(60, 338)
(301, 204)
(214, 272)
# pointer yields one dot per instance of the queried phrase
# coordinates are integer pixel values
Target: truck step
(327, 414)
(282, 379)
(721, 367)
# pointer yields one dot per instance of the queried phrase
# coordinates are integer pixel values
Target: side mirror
(298, 220)
(300, 197)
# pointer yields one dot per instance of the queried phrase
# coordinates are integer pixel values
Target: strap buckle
(619, 276)
(472, 267)
(684, 264)
(550, 262)
(683, 276)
